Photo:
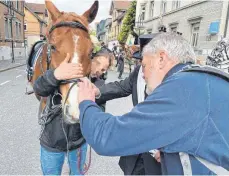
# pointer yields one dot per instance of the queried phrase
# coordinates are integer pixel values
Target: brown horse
(67, 33)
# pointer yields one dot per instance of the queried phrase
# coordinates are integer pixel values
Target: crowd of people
(179, 123)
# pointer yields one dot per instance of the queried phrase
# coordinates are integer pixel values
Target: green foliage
(128, 23)
(92, 32)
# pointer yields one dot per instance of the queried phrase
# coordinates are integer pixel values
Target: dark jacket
(52, 137)
(120, 63)
(133, 164)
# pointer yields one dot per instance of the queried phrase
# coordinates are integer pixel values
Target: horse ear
(92, 12)
(53, 12)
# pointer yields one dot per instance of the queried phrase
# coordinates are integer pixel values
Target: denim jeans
(52, 162)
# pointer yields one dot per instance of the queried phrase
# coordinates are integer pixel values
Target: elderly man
(184, 116)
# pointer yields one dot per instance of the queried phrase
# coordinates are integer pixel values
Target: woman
(54, 146)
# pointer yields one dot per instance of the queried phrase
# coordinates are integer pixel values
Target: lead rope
(87, 166)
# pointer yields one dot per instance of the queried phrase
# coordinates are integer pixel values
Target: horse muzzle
(70, 114)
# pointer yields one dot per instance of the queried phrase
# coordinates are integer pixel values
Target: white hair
(176, 47)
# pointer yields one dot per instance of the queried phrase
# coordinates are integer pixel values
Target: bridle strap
(71, 24)
(70, 81)
(74, 83)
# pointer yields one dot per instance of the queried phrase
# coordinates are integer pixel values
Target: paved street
(6, 64)
(19, 151)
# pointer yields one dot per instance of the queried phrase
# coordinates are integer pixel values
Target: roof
(119, 5)
(36, 8)
(120, 17)
(39, 19)
(108, 22)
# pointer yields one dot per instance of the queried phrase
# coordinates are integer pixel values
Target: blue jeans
(52, 162)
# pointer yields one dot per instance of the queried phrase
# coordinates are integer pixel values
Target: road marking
(18, 76)
(4, 83)
(22, 70)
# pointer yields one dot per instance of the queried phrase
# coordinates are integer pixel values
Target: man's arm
(117, 89)
(162, 119)
(46, 84)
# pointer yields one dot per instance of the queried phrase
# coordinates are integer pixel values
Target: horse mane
(34, 48)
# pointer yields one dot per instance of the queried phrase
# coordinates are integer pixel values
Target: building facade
(117, 11)
(36, 17)
(202, 23)
(11, 30)
(102, 30)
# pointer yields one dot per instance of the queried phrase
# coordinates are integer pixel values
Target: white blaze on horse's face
(73, 104)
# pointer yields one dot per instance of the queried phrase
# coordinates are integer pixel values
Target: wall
(33, 25)
(18, 42)
(212, 12)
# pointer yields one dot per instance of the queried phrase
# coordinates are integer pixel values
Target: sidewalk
(7, 64)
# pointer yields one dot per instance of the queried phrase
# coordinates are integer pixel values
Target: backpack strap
(187, 168)
(207, 69)
(218, 170)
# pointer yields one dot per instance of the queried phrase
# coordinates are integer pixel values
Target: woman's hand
(68, 70)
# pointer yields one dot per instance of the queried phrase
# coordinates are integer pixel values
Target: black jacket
(143, 164)
(119, 89)
(53, 138)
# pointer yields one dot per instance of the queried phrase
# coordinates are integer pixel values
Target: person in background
(115, 52)
(121, 59)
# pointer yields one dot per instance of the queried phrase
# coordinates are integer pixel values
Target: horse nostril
(66, 110)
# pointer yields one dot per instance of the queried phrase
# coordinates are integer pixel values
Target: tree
(128, 23)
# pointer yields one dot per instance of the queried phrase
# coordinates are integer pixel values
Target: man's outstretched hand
(86, 90)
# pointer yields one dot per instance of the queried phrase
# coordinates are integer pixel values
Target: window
(163, 7)
(6, 2)
(143, 11)
(25, 26)
(19, 31)
(26, 42)
(16, 28)
(17, 4)
(151, 8)
(46, 13)
(195, 34)
(149, 31)
(176, 4)
(7, 29)
(173, 29)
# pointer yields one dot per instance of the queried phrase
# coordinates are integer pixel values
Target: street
(20, 149)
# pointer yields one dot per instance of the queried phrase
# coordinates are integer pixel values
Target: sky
(80, 6)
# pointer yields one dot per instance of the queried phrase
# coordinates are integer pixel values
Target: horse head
(68, 33)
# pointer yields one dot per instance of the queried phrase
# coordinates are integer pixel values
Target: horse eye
(53, 47)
